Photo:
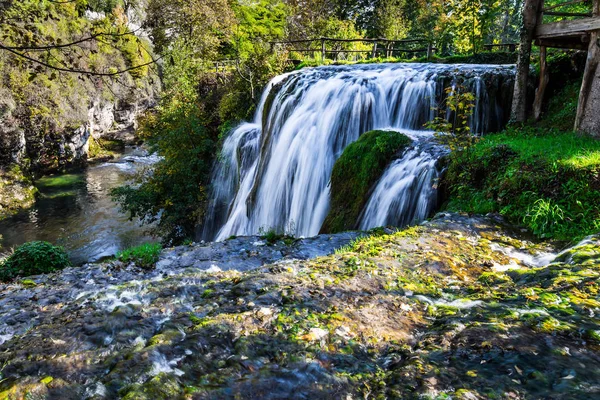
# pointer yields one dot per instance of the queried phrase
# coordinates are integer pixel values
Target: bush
(33, 258)
(145, 255)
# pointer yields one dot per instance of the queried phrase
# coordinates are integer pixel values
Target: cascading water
(406, 192)
(274, 173)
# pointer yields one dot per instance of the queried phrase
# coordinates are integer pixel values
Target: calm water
(75, 211)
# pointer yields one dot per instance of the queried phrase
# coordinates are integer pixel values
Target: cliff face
(45, 135)
(48, 116)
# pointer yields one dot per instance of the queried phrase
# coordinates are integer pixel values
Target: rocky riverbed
(459, 307)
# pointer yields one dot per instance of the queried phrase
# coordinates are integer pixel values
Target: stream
(75, 210)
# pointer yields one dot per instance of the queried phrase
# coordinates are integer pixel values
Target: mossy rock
(162, 386)
(361, 165)
(16, 191)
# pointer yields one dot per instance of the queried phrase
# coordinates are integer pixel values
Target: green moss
(16, 191)
(162, 386)
(355, 172)
(104, 148)
(59, 181)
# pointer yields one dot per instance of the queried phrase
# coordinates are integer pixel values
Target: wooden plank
(574, 42)
(562, 28)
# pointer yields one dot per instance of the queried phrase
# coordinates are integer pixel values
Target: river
(75, 210)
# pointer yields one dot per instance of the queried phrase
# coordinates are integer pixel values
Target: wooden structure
(582, 34)
(384, 47)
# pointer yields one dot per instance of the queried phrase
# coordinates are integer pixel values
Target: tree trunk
(530, 16)
(588, 115)
(544, 78)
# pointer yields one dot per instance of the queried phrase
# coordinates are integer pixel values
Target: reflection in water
(75, 211)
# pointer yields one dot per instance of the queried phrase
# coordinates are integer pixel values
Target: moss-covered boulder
(16, 191)
(362, 163)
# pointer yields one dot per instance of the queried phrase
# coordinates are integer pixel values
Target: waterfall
(406, 192)
(274, 173)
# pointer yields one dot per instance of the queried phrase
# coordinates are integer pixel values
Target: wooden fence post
(429, 51)
(544, 78)
(374, 50)
(587, 119)
(323, 50)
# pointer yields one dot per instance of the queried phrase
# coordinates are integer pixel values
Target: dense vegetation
(541, 175)
(42, 101)
(356, 171)
(33, 258)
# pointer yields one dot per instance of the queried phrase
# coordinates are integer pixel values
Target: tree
(203, 25)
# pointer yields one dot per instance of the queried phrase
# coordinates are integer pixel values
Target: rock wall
(23, 145)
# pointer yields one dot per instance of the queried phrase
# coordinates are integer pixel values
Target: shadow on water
(75, 210)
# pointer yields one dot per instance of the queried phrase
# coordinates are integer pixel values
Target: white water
(274, 173)
(407, 190)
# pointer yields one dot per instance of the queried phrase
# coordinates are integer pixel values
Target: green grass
(548, 180)
(272, 236)
(561, 147)
(145, 255)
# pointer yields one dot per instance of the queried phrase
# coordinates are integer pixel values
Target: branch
(59, 46)
(77, 71)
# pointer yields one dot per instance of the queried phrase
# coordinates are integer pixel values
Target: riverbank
(458, 306)
(75, 210)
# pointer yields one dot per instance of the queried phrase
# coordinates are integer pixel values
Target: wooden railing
(510, 47)
(385, 47)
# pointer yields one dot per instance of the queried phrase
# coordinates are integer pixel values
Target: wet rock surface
(458, 307)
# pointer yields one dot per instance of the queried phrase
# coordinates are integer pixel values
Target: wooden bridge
(581, 33)
(372, 48)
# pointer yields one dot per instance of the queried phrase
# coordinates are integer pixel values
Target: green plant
(272, 236)
(33, 258)
(542, 215)
(452, 124)
(356, 171)
(145, 255)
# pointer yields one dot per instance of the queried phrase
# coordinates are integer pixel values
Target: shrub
(145, 255)
(33, 258)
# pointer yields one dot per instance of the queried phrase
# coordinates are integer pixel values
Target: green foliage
(562, 108)
(273, 236)
(145, 255)
(183, 130)
(545, 179)
(355, 172)
(33, 258)
(47, 104)
(452, 124)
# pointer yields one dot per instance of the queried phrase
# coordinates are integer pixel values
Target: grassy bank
(546, 179)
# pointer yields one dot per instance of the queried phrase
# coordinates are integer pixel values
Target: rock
(421, 316)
